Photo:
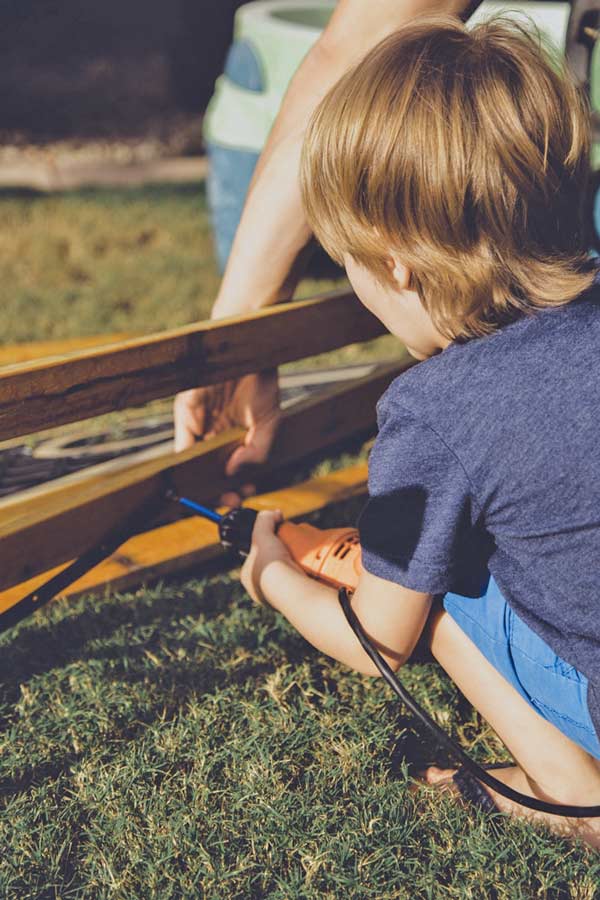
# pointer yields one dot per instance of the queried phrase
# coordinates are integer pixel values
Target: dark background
(101, 68)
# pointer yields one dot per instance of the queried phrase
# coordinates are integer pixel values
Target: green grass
(96, 261)
(180, 742)
(100, 261)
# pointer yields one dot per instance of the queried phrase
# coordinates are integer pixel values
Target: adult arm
(273, 240)
(273, 232)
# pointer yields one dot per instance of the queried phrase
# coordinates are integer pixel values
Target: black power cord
(457, 753)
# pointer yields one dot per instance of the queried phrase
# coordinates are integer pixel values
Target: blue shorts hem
(551, 686)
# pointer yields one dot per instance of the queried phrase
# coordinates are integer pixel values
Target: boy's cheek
(361, 281)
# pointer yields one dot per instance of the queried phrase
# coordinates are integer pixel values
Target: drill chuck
(236, 527)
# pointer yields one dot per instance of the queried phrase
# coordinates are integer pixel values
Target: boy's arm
(392, 616)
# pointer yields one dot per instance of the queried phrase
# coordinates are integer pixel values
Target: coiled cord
(456, 751)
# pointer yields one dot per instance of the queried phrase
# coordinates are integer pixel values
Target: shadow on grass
(45, 641)
(40, 646)
(179, 682)
(43, 646)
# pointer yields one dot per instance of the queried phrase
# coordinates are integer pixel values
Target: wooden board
(63, 173)
(191, 542)
(43, 527)
(45, 394)
(12, 354)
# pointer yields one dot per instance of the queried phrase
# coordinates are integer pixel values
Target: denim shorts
(231, 168)
(555, 689)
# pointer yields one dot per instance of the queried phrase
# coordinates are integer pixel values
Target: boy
(447, 172)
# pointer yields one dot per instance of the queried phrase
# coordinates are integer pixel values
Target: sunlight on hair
(466, 151)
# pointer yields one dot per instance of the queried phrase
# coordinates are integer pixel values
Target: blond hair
(465, 151)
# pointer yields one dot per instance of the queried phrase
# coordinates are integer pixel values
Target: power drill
(331, 555)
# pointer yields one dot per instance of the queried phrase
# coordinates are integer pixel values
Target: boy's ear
(400, 272)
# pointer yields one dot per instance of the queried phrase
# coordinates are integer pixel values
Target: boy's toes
(467, 792)
(434, 775)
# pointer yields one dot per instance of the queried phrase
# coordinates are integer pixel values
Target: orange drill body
(332, 555)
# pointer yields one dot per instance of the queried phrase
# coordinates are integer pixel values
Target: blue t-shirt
(488, 460)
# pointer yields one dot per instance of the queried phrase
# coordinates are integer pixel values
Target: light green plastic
(282, 32)
(309, 17)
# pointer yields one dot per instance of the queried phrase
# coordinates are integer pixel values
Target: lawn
(178, 741)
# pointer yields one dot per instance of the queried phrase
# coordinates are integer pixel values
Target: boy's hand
(266, 549)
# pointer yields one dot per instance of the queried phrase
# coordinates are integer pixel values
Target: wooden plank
(44, 394)
(12, 354)
(43, 527)
(84, 440)
(63, 172)
(188, 543)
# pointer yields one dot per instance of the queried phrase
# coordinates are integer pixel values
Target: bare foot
(587, 830)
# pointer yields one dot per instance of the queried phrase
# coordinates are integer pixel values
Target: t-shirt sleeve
(418, 528)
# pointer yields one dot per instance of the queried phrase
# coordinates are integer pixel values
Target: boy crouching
(447, 172)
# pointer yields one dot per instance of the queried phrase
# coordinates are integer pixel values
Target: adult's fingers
(232, 498)
(185, 436)
(255, 448)
(189, 420)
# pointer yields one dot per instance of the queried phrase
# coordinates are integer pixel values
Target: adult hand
(251, 402)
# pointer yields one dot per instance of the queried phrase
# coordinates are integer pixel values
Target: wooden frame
(179, 546)
(46, 526)
(13, 354)
(46, 393)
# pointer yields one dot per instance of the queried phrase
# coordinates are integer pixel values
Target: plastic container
(270, 40)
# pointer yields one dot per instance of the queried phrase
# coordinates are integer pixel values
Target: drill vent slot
(344, 547)
(343, 550)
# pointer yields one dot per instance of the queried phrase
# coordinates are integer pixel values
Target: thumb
(188, 420)
(266, 523)
(255, 449)
(184, 437)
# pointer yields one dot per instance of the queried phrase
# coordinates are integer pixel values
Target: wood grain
(45, 394)
(12, 354)
(190, 543)
(46, 526)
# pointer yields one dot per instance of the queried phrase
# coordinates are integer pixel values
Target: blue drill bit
(204, 511)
